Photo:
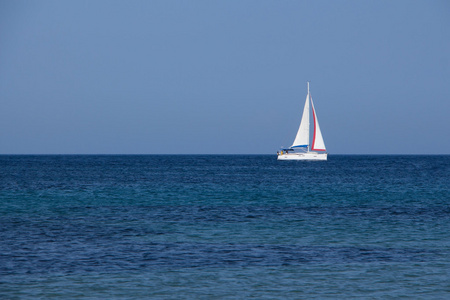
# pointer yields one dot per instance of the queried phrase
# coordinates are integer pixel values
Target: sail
(318, 143)
(302, 137)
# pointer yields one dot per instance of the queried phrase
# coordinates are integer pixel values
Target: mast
(309, 123)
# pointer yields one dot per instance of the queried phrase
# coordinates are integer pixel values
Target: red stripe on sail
(314, 135)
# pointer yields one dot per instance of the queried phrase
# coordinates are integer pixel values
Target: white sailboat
(300, 149)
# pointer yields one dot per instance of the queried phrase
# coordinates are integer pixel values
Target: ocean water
(224, 227)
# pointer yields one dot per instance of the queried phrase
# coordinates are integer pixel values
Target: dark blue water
(207, 227)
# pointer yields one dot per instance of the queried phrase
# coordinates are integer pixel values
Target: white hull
(303, 156)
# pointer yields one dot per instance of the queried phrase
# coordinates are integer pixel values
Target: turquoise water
(226, 227)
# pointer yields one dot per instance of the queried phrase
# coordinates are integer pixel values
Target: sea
(224, 227)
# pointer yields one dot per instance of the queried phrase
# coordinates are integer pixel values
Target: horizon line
(205, 154)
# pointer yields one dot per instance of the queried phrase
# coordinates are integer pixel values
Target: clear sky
(212, 77)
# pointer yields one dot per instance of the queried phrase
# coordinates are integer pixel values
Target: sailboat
(300, 149)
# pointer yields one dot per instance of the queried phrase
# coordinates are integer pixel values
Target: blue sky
(212, 77)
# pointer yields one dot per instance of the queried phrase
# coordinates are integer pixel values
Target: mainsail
(302, 137)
